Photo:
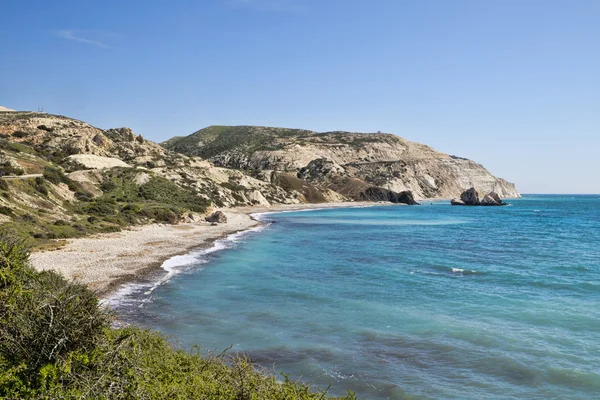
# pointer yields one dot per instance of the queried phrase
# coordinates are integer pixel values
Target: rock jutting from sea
(470, 197)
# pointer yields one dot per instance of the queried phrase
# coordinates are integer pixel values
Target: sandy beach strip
(106, 261)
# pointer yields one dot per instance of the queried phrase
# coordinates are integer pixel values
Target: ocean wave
(447, 271)
(463, 271)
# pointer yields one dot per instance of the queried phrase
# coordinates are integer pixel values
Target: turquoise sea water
(424, 302)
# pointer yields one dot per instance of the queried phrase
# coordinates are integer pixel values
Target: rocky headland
(340, 164)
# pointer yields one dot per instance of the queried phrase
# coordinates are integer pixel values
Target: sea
(398, 302)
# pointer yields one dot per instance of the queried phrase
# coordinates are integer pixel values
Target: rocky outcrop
(381, 160)
(217, 217)
(491, 199)
(320, 169)
(92, 161)
(470, 197)
(75, 145)
(381, 194)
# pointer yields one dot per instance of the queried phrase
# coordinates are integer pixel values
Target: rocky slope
(344, 162)
(75, 145)
(61, 178)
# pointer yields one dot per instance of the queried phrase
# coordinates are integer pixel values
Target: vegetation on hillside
(123, 203)
(57, 342)
(214, 140)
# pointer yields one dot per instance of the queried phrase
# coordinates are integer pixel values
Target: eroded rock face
(470, 197)
(381, 194)
(495, 196)
(92, 161)
(320, 169)
(489, 201)
(217, 217)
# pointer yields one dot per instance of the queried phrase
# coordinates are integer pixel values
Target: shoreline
(108, 262)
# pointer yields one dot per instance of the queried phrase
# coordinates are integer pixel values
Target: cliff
(344, 162)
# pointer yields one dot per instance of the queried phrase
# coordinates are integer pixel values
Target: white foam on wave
(458, 270)
(174, 266)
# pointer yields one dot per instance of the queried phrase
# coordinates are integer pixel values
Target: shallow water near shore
(428, 302)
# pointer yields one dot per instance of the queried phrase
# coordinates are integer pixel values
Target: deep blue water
(431, 301)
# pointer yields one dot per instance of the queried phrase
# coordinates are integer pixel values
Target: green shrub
(7, 169)
(19, 134)
(162, 214)
(50, 319)
(54, 175)
(14, 256)
(6, 210)
(162, 190)
(43, 189)
(101, 207)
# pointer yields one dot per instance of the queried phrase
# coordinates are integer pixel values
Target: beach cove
(106, 262)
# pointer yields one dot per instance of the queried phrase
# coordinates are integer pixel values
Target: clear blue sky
(512, 84)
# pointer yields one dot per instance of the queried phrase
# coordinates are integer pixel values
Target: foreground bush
(56, 343)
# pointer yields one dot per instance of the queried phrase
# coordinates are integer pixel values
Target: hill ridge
(403, 164)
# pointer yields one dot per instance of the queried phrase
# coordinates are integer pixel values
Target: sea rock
(217, 217)
(405, 197)
(496, 197)
(380, 194)
(489, 201)
(492, 199)
(470, 197)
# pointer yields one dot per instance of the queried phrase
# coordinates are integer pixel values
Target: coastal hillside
(344, 162)
(62, 178)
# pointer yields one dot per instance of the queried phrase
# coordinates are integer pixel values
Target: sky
(511, 84)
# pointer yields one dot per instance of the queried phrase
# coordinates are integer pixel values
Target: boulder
(489, 201)
(492, 199)
(375, 193)
(100, 140)
(495, 196)
(405, 197)
(217, 217)
(470, 197)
